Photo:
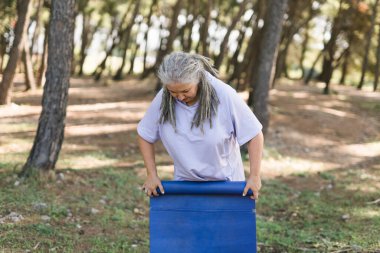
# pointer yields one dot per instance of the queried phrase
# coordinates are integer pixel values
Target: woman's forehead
(180, 86)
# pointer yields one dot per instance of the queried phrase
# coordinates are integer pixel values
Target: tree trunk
(30, 81)
(243, 70)
(37, 29)
(311, 72)
(50, 132)
(263, 70)
(100, 68)
(252, 54)
(368, 45)
(305, 42)
(16, 50)
(172, 34)
(84, 42)
(42, 69)
(328, 58)
(223, 45)
(134, 50)
(377, 67)
(3, 47)
(189, 26)
(243, 66)
(127, 39)
(233, 61)
(281, 60)
(346, 59)
(203, 33)
(149, 23)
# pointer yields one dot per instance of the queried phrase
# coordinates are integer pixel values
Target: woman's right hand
(151, 184)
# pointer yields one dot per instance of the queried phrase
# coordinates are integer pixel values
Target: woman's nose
(180, 97)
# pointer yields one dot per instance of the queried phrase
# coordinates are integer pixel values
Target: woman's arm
(255, 151)
(152, 181)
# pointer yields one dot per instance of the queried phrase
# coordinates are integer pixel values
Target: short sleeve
(148, 126)
(245, 124)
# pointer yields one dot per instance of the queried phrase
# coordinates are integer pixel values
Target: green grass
(295, 221)
(370, 106)
(72, 227)
(288, 220)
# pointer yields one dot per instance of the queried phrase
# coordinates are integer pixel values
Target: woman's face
(185, 92)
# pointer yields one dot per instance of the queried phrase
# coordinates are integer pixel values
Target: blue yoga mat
(202, 217)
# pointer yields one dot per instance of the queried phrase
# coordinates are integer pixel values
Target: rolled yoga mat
(202, 217)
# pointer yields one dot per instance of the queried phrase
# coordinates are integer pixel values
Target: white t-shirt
(211, 155)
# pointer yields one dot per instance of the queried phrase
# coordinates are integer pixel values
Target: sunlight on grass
(86, 161)
(330, 111)
(286, 165)
(11, 146)
(17, 127)
(371, 149)
(368, 213)
(98, 129)
(108, 106)
(15, 110)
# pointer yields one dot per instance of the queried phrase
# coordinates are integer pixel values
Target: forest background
(77, 76)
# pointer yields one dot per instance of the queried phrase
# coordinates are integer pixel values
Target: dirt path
(309, 132)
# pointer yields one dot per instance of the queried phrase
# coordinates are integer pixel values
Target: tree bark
(16, 50)
(223, 45)
(263, 70)
(30, 81)
(50, 132)
(368, 45)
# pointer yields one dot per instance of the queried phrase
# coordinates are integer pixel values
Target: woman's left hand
(254, 184)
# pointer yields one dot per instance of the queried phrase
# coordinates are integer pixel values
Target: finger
(245, 190)
(161, 189)
(255, 195)
(155, 193)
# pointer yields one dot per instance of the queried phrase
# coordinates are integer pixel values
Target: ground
(321, 172)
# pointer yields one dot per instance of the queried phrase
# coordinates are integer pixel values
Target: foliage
(7, 14)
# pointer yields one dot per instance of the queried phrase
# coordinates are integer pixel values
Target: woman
(202, 122)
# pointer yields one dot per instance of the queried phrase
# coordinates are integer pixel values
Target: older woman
(202, 122)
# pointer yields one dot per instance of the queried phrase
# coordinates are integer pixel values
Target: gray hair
(180, 67)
